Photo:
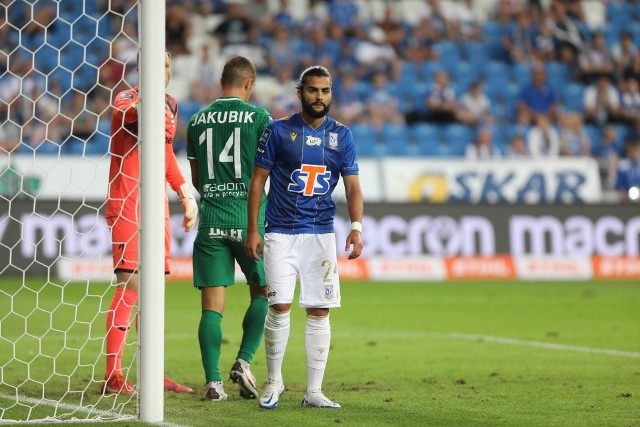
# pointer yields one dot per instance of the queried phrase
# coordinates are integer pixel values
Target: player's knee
(317, 312)
(280, 308)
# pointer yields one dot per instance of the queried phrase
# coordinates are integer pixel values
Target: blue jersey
(628, 174)
(305, 166)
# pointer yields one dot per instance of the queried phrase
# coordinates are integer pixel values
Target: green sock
(210, 337)
(253, 328)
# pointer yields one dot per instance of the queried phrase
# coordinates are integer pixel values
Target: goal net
(61, 62)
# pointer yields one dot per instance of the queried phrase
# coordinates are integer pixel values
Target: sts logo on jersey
(310, 180)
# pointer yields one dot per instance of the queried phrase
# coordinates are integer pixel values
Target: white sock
(276, 335)
(317, 339)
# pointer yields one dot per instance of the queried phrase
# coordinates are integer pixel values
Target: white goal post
(54, 139)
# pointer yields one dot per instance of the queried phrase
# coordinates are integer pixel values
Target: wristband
(357, 226)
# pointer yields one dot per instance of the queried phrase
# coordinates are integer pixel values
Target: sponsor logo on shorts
(271, 294)
(234, 234)
(328, 291)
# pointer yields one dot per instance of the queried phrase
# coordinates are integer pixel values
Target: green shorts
(215, 251)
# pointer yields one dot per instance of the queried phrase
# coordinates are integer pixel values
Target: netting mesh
(60, 64)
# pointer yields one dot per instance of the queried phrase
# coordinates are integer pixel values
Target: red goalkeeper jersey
(124, 172)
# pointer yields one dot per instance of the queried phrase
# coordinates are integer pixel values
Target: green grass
(402, 354)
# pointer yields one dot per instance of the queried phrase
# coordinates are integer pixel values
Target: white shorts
(310, 256)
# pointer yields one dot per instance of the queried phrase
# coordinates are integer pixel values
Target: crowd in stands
(482, 79)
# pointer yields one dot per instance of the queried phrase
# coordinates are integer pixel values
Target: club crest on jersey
(293, 136)
(265, 137)
(312, 140)
(328, 292)
(310, 180)
(333, 140)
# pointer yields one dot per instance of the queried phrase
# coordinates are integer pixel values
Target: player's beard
(308, 108)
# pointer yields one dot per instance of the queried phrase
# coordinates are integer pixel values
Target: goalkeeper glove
(189, 207)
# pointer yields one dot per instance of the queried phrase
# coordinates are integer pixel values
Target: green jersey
(223, 138)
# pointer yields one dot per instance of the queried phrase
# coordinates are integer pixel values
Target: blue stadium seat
(71, 56)
(426, 138)
(187, 109)
(558, 75)
(456, 138)
(59, 34)
(419, 97)
(572, 97)
(366, 139)
(463, 75)
(395, 139)
(594, 135)
(619, 14)
(97, 51)
(85, 77)
(45, 59)
(60, 76)
(84, 29)
(496, 73)
(429, 70)
(477, 54)
(521, 72)
(493, 32)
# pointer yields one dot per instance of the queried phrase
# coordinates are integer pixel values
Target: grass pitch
(403, 354)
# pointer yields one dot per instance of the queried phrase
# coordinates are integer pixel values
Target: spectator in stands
(542, 139)
(623, 54)
(567, 37)
(441, 101)
(482, 147)
(517, 148)
(601, 101)
(237, 34)
(112, 71)
(127, 45)
(319, 49)
(205, 77)
(282, 18)
(284, 101)
(595, 59)
(518, 41)
(394, 31)
(475, 107)
(418, 46)
(374, 52)
(282, 52)
(235, 29)
(344, 14)
(543, 43)
(574, 140)
(607, 152)
(537, 97)
(439, 26)
(178, 28)
(381, 104)
(84, 120)
(628, 173)
(349, 104)
(9, 137)
(629, 100)
(467, 17)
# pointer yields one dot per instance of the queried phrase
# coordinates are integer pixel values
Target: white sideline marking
(489, 338)
(465, 337)
(87, 409)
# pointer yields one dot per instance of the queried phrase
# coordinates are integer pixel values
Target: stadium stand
(73, 54)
